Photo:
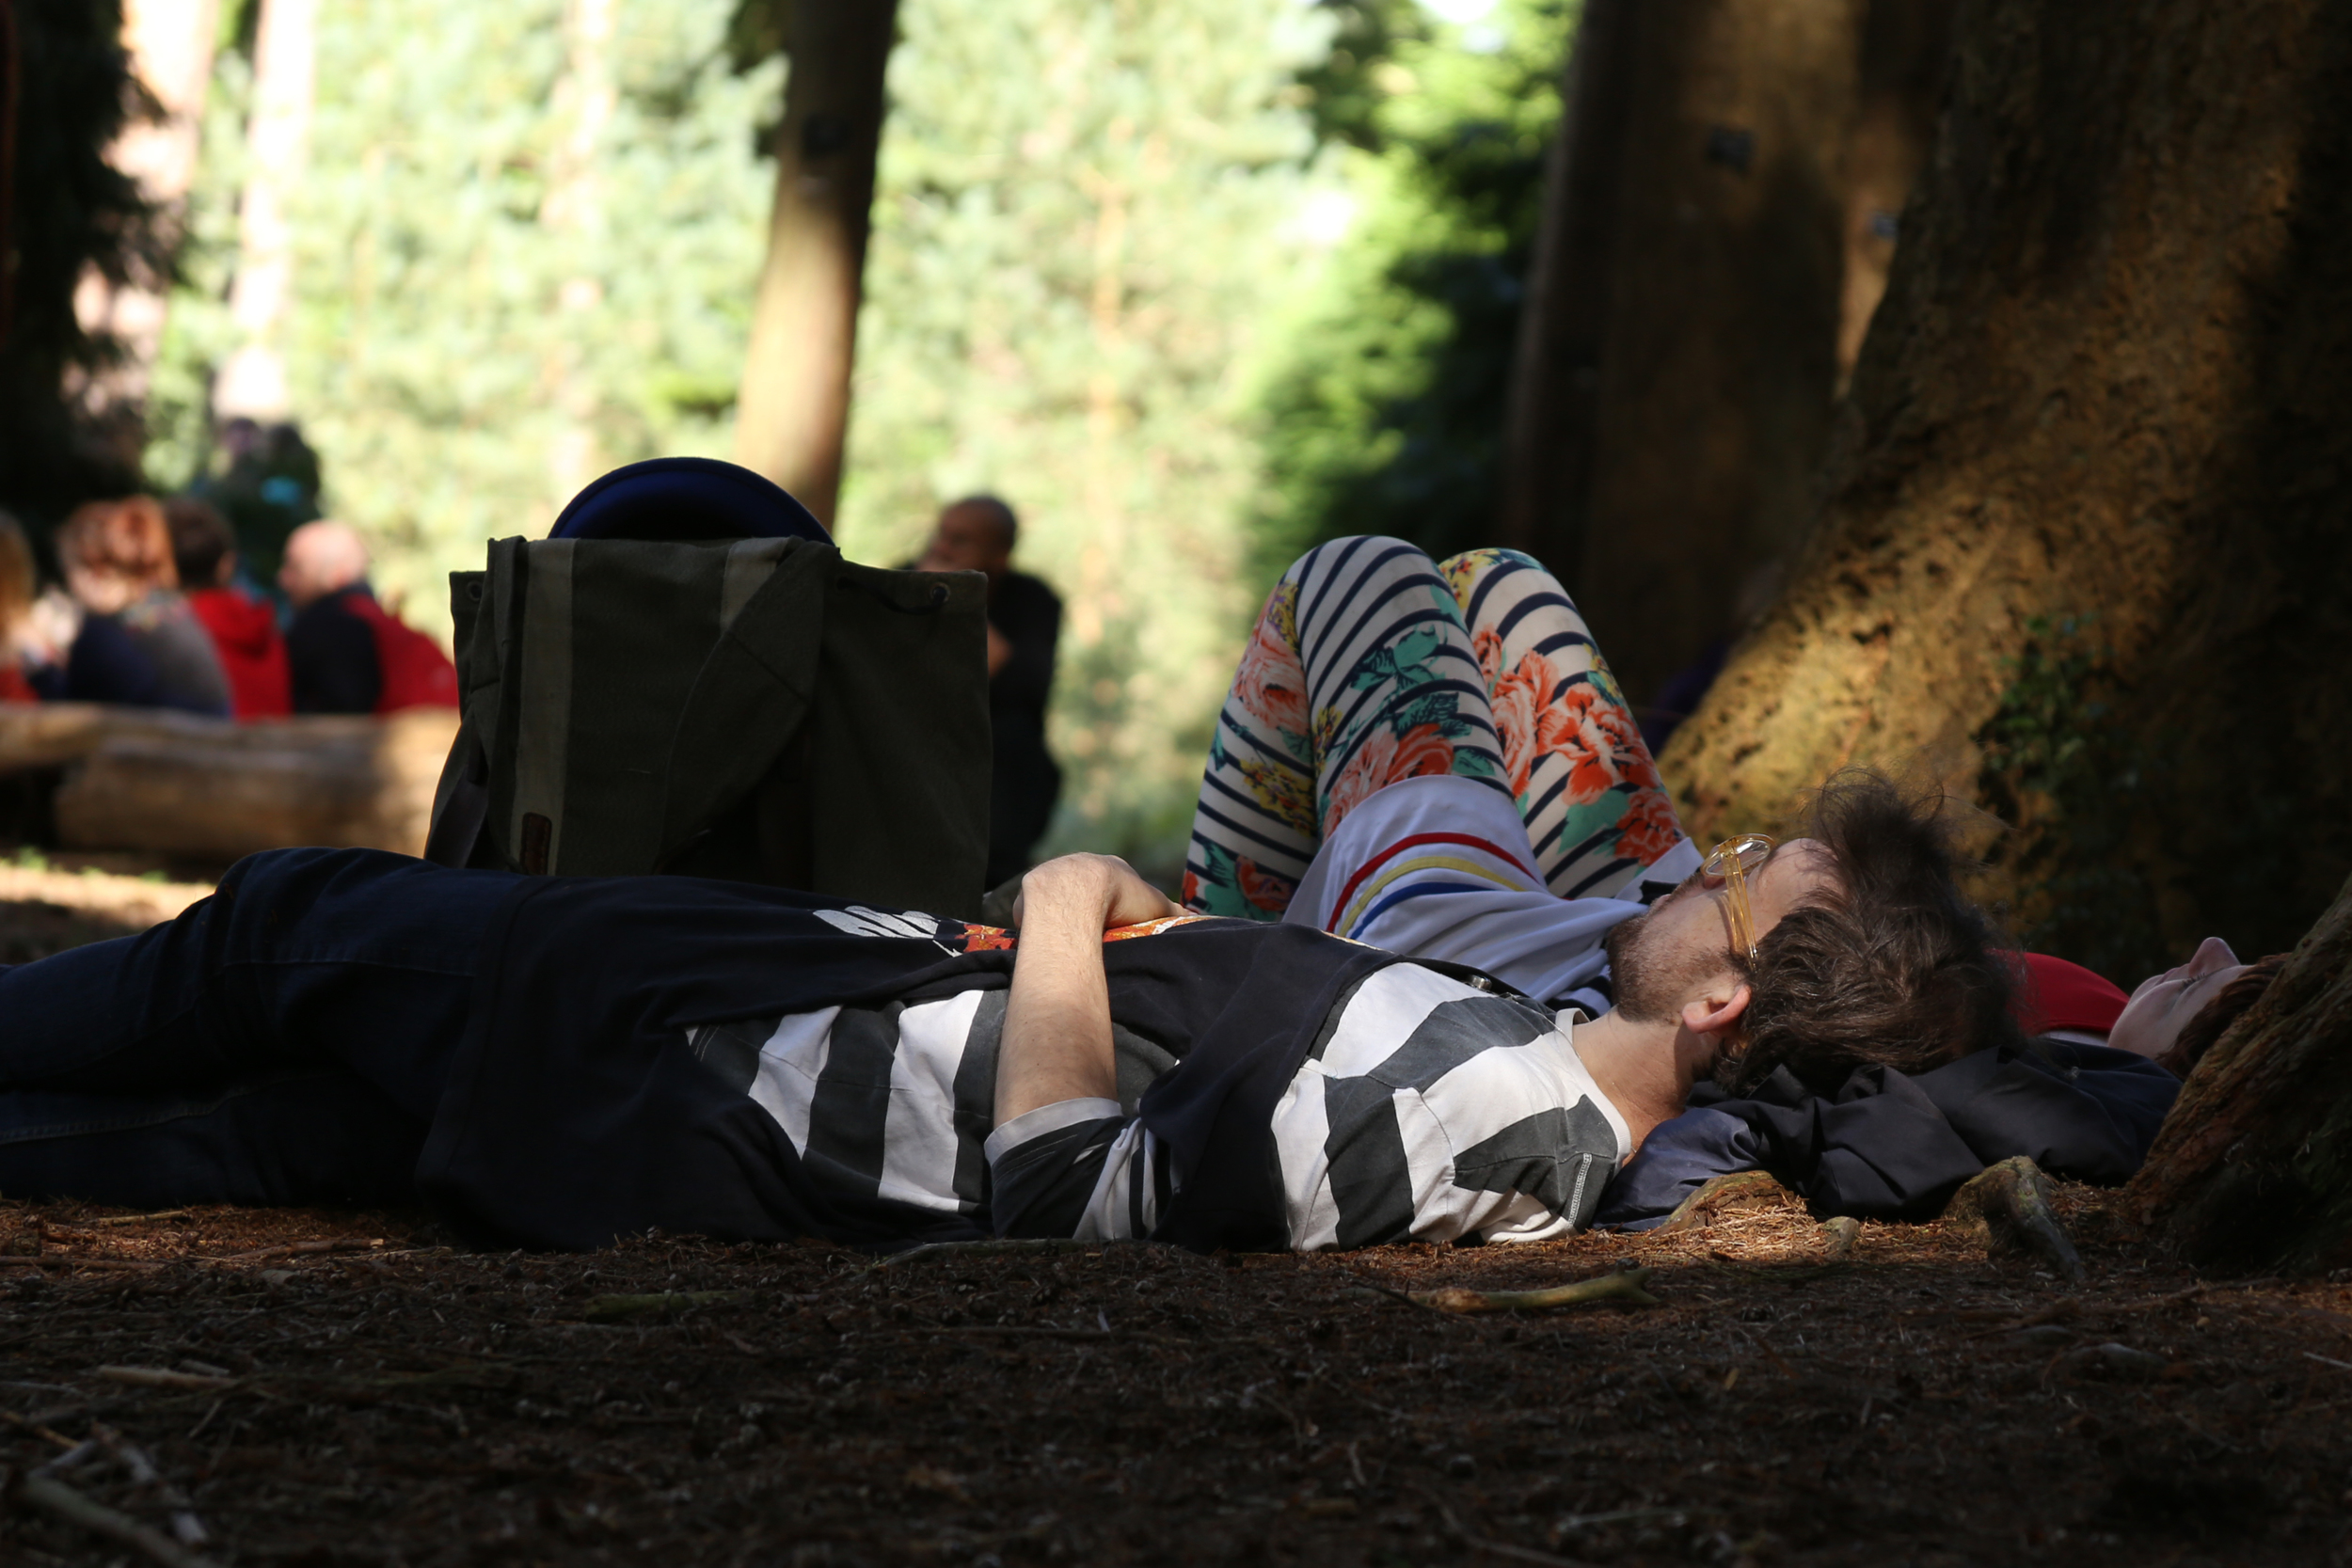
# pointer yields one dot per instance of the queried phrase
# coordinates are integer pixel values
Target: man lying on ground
(1433, 757)
(552, 1061)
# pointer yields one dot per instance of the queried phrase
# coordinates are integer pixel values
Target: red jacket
(245, 633)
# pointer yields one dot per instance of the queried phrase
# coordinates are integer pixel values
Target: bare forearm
(1058, 1021)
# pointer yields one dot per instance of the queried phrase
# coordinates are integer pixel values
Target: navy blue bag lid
(680, 499)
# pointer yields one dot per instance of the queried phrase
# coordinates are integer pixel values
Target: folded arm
(1058, 1021)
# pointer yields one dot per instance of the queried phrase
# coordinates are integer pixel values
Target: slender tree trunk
(585, 100)
(253, 382)
(2253, 1168)
(1719, 216)
(170, 45)
(2083, 553)
(793, 411)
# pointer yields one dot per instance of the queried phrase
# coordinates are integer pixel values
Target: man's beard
(1650, 985)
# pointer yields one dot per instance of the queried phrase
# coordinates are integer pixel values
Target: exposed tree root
(1745, 1189)
(2011, 1202)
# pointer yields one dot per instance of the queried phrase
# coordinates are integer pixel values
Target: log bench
(176, 783)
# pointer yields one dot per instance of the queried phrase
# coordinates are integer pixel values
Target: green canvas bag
(756, 709)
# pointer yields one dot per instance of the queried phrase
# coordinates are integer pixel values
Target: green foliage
(71, 210)
(1385, 414)
(483, 320)
(1084, 224)
(2065, 769)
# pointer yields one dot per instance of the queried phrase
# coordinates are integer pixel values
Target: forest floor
(308, 1386)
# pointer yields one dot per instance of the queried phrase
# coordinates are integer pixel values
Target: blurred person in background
(348, 653)
(268, 488)
(244, 629)
(17, 586)
(138, 643)
(978, 534)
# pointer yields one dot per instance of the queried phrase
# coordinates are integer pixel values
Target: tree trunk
(1716, 233)
(170, 45)
(2253, 1168)
(585, 97)
(2082, 554)
(793, 411)
(253, 382)
(1555, 366)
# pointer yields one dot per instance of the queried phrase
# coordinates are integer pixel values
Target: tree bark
(2254, 1167)
(1716, 233)
(253, 382)
(1555, 366)
(792, 413)
(2086, 497)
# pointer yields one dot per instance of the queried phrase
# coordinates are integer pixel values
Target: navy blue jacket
(1893, 1146)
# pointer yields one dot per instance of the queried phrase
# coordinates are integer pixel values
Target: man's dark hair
(200, 536)
(998, 510)
(1892, 966)
(2223, 1009)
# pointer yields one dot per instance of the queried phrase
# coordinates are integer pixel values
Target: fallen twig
(297, 1249)
(184, 1524)
(60, 1502)
(1621, 1288)
(39, 1429)
(164, 1377)
(155, 1218)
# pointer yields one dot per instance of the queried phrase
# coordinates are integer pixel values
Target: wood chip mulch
(301, 1386)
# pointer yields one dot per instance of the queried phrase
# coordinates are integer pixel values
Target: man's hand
(1105, 883)
(1058, 1021)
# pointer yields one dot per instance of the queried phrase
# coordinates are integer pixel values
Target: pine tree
(460, 351)
(1087, 217)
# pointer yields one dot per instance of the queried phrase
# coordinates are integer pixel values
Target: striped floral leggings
(1370, 664)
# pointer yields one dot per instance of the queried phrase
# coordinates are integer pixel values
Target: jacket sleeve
(2083, 1112)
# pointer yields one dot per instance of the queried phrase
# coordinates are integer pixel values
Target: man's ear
(1718, 1010)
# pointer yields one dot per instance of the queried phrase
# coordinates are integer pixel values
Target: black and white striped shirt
(1428, 1109)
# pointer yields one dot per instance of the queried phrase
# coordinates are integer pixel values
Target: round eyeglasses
(1731, 862)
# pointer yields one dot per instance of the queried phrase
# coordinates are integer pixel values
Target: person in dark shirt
(349, 654)
(978, 534)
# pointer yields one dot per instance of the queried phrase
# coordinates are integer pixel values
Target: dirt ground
(318, 1387)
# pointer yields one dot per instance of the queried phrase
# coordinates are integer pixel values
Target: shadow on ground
(399, 1403)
